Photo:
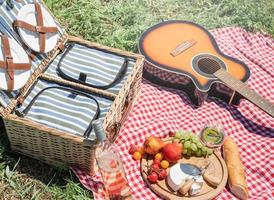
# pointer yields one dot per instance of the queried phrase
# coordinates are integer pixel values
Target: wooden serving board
(217, 168)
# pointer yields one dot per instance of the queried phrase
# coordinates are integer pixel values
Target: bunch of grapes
(192, 144)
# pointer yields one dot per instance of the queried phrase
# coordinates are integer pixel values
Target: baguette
(235, 167)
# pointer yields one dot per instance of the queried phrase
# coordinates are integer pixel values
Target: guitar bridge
(182, 47)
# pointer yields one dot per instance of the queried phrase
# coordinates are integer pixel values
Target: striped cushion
(61, 110)
(100, 67)
(6, 97)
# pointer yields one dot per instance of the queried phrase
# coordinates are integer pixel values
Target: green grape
(183, 137)
(204, 151)
(185, 151)
(187, 144)
(177, 135)
(199, 152)
(199, 145)
(176, 140)
(195, 139)
(193, 147)
(188, 153)
(209, 151)
(187, 136)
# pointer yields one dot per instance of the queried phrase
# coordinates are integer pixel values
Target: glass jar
(212, 135)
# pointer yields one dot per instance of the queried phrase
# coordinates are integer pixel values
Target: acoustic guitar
(187, 49)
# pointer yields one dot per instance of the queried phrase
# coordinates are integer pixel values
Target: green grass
(118, 24)
(25, 178)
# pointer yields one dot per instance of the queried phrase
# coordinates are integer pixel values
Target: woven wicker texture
(57, 147)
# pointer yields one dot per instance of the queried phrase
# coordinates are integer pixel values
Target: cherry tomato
(156, 161)
(137, 155)
(164, 164)
(159, 156)
(162, 174)
(155, 166)
(171, 133)
(133, 149)
(153, 177)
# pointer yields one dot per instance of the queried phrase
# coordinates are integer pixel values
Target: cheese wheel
(235, 167)
(177, 177)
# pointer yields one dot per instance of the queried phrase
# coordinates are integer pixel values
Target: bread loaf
(236, 174)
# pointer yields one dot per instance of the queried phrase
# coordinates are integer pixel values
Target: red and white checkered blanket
(160, 110)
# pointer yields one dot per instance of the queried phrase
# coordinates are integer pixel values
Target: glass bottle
(110, 166)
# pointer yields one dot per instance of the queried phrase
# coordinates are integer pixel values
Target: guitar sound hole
(208, 65)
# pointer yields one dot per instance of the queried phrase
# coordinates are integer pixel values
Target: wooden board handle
(186, 186)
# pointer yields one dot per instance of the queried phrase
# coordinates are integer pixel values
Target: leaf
(14, 167)
(8, 173)
(13, 184)
(36, 194)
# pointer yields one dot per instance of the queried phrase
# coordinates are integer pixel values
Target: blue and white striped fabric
(100, 67)
(59, 108)
(62, 110)
(6, 97)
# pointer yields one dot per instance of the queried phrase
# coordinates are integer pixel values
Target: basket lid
(37, 28)
(7, 18)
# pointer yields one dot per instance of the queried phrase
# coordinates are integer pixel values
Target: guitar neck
(245, 91)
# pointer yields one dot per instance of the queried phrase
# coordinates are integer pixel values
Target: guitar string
(211, 65)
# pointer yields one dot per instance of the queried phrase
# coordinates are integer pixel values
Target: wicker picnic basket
(57, 147)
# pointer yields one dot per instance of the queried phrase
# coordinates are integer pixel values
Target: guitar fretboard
(245, 91)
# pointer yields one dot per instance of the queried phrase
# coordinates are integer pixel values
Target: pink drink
(113, 175)
(110, 165)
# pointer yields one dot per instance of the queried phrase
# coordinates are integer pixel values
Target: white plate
(20, 76)
(31, 39)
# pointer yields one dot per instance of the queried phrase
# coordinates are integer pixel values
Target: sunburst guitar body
(185, 49)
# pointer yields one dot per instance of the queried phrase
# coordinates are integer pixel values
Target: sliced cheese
(196, 186)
